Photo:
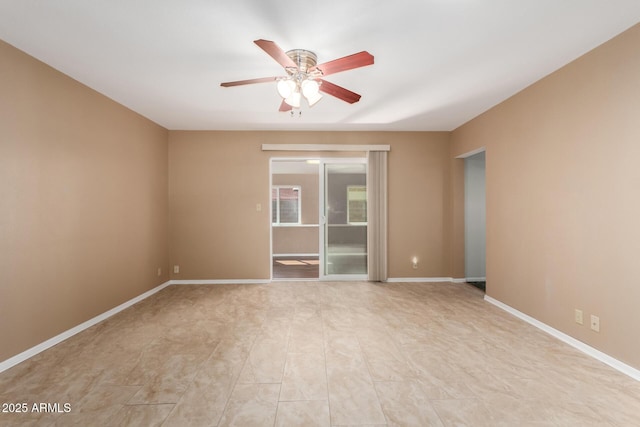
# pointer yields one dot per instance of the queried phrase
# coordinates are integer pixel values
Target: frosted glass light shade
(293, 99)
(310, 87)
(311, 91)
(286, 88)
(313, 100)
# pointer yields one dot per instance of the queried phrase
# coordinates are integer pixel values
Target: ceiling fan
(305, 76)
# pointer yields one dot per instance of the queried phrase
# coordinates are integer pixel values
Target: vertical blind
(377, 215)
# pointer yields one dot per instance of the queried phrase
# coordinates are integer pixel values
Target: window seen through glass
(285, 205)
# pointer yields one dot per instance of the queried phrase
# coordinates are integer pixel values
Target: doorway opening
(475, 220)
(319, 219)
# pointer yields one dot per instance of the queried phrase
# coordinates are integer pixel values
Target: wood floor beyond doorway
(296, 267)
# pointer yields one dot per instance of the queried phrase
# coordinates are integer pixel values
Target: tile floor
(319, 354)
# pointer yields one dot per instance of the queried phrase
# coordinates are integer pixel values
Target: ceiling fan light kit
(304, 76)
(300, 79)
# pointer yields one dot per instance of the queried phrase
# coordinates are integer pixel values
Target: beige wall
(217, 178)
(83, 203)
(418, 199)
(563, 196)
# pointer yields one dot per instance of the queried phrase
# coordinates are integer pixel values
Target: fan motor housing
(304, 59)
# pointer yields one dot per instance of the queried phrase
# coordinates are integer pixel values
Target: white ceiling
(438, 63)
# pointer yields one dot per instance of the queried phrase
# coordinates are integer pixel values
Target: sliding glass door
(344, 219)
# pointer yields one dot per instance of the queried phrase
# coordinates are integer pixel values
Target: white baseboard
(27, 354)
(424, 280)
(220, 282)
(475, 279)
(596, 354)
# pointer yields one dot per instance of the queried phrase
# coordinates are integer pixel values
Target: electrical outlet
(258, 207)
(595, 323)
(578, 316)
(176, 269)
(159, 271)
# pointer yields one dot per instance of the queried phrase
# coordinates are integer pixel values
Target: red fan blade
(274, 51)
(249, 82)
(285, 107)
(338, 91)
(350, 62)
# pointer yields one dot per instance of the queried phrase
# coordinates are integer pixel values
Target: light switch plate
(595, 323)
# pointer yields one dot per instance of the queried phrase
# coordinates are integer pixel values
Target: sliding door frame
(315, 148)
